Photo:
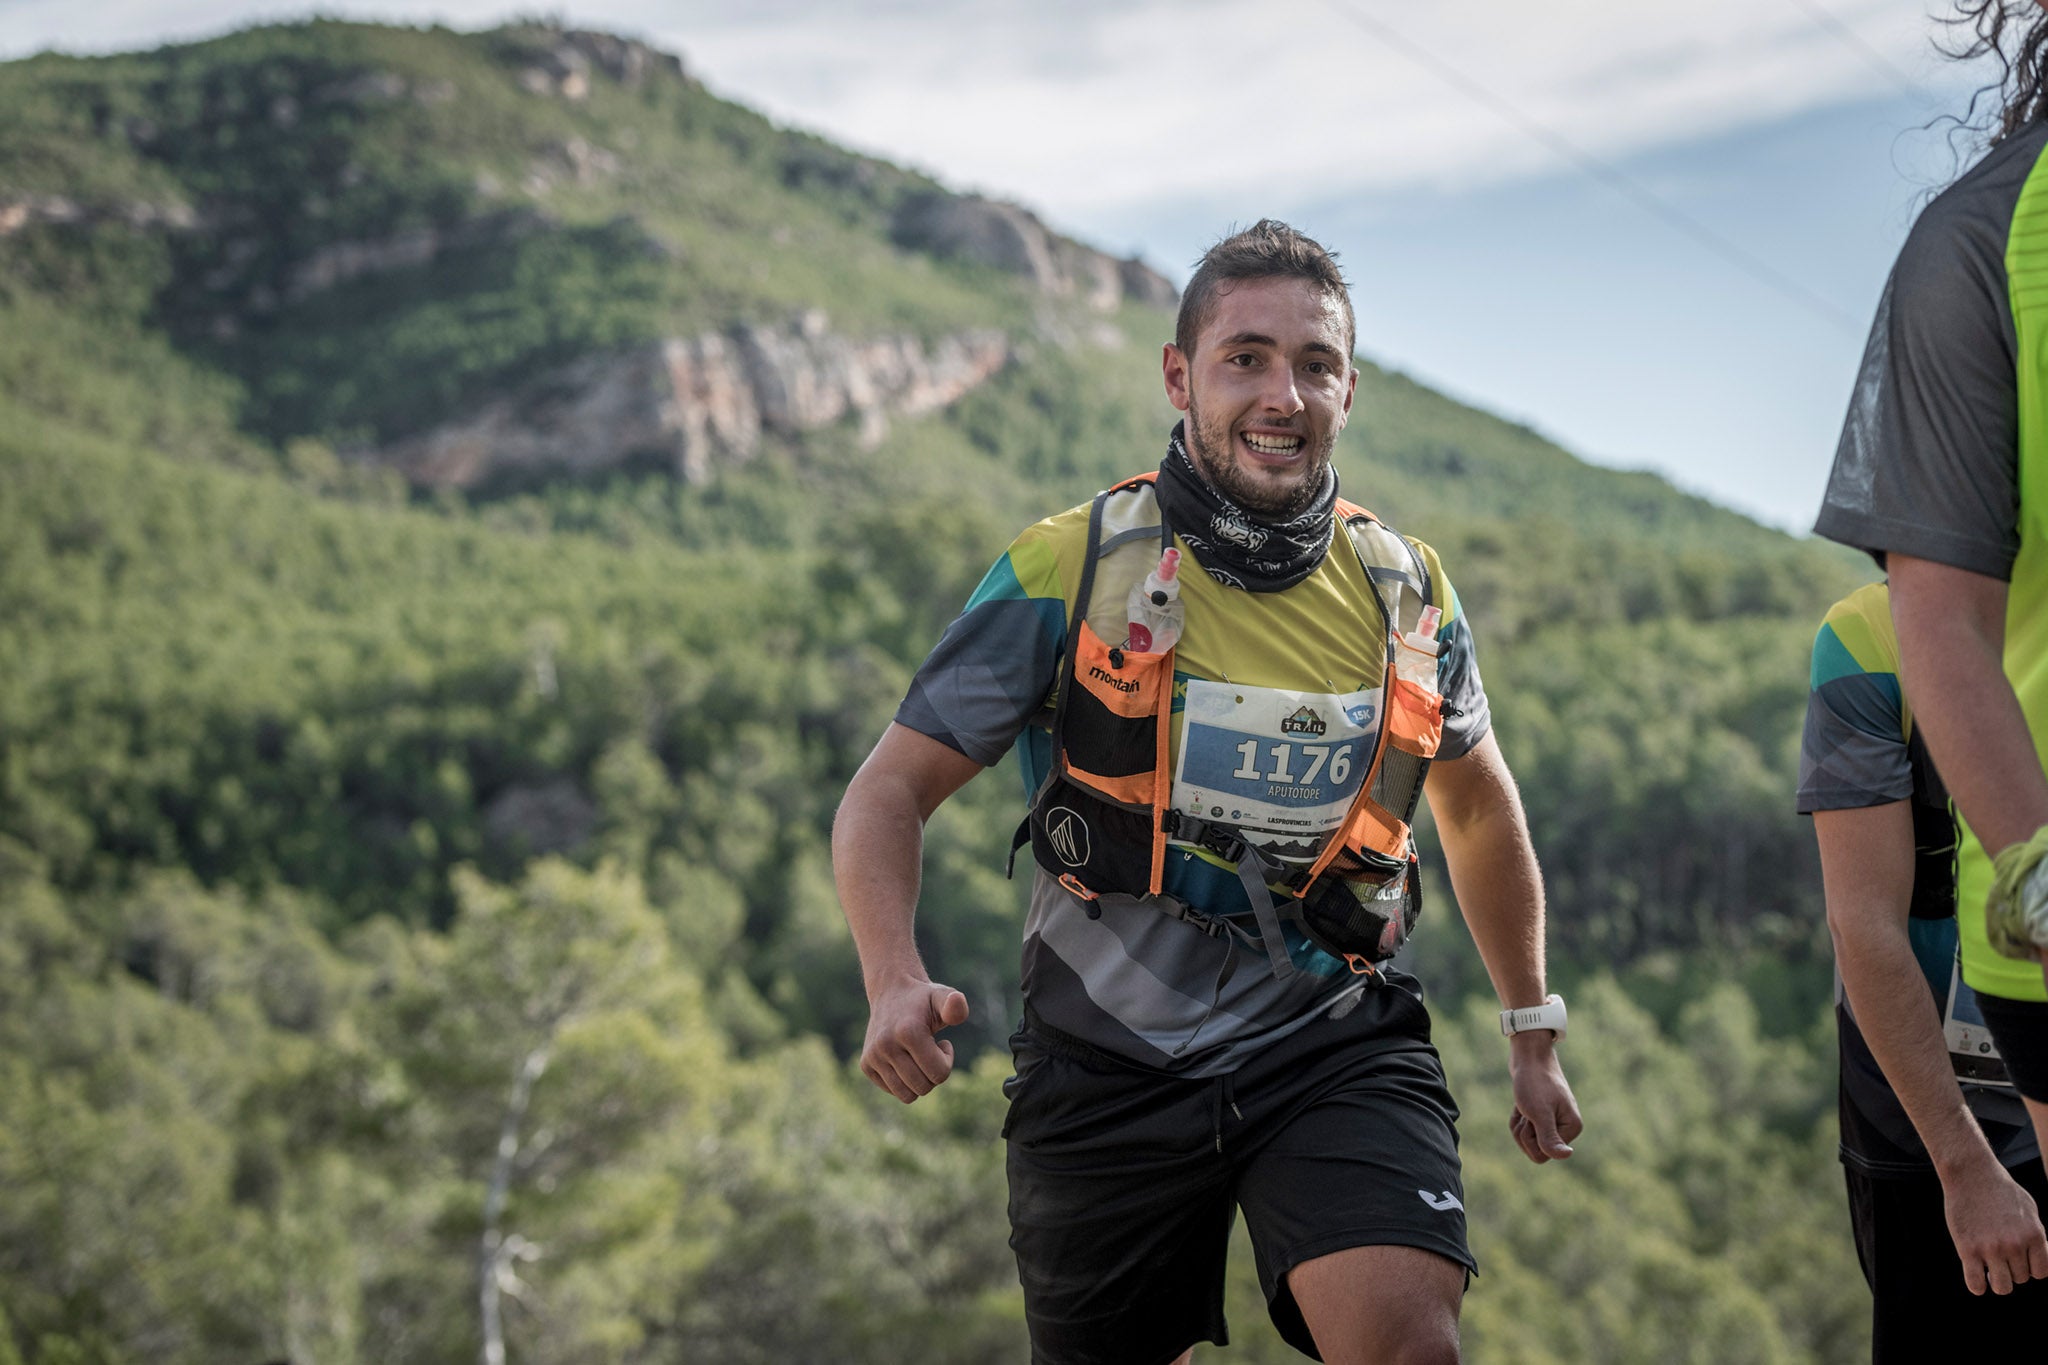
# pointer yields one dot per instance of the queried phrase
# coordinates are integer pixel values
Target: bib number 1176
(1284, 757)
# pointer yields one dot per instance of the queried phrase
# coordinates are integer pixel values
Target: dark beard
(1229, 478)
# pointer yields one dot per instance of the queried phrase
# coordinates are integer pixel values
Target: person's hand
(902, 1055)
(1546, 1117)
(1997, 1229)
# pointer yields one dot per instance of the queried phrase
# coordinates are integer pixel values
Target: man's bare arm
(1866, 861)
(1500, 891)
(878, 863)
(1951, 626)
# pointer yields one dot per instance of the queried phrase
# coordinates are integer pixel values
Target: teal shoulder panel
(1833, 660)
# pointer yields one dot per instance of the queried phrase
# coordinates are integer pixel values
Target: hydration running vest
(1101, 821)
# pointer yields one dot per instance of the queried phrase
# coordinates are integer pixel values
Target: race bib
(1283, 767)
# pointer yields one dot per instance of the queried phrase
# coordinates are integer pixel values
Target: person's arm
(1866, 863)
(1500, 892)
(877, 861)
(1951, 625)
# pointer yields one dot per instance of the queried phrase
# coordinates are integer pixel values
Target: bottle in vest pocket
(1156, 611)
(1416, 660)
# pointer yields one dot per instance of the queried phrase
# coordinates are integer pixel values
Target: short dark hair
(1267, 249)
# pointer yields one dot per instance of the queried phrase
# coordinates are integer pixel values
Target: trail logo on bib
(1304, 722)
(1069, 835)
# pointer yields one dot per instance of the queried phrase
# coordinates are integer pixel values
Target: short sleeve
(995, 666)
(1927, 464)
(1853, 751)
(1467, 717)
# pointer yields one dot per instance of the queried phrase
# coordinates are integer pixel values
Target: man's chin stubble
(1264, 500)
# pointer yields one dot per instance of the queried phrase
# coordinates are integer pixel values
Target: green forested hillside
(415, 909)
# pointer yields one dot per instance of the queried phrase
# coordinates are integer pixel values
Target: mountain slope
(548, 268)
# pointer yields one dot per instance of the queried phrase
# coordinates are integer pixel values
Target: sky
(1654, 233)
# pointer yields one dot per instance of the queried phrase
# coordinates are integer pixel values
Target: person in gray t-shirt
(1944, 438)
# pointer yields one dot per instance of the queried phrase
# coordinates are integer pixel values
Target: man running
(1222, 866)
(1943, 1171)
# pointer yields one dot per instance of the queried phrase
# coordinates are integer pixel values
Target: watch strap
(1550, 1014)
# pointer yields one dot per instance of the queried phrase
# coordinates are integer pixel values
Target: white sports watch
(1549, 1014)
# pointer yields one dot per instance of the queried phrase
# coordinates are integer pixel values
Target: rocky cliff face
(276, 215)
(560, 61)
(695, 403)
(19, 211)
(1013, 240)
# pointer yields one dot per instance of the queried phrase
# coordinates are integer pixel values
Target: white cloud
(1081, 109)
(1078, 110)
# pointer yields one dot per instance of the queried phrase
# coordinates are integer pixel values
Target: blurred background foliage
(415, 905)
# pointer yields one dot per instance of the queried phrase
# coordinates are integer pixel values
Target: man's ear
(1174, 368)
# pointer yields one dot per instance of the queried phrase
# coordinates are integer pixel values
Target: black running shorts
(1124, 1183)
(2020, 1028)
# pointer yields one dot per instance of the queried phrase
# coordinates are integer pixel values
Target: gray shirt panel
(1928, 460)
(1158, 992)
(976, 698)
(1851, 754)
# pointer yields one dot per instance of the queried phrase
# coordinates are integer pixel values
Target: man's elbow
(1840, 931)
(907, 777)
(1861, 934)
(1474, 792)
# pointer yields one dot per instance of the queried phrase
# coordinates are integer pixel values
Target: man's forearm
(1500, 891)
(1494, 875)
(1889, 996)
(1951, 626)
(1867, 868)
(1493, 869)
(877, 863)
(878, 848)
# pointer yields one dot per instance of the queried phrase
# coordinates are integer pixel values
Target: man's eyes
(1247, 359)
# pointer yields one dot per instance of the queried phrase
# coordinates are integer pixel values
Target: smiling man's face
(1266, 391)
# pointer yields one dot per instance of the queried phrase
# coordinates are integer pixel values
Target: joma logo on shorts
(1120, 684)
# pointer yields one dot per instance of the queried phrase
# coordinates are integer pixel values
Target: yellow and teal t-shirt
(1131, 980)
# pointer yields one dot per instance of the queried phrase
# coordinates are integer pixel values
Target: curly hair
(1267, 249)
(2015, 32)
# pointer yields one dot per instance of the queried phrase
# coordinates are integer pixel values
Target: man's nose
(1279, 393)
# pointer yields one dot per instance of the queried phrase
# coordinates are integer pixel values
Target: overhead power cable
(1871, 57)
(1608, 174)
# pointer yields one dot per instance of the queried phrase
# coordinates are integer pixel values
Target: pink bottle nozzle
(1169, 564)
